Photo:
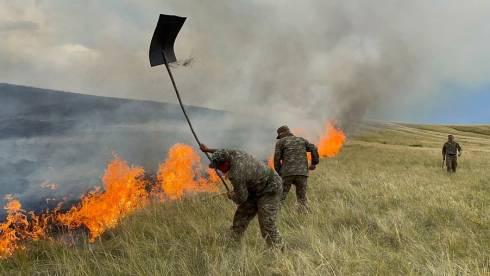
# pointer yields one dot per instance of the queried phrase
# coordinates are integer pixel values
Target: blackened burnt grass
(383, 206)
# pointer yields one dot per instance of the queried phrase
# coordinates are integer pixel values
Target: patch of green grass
(377, 208)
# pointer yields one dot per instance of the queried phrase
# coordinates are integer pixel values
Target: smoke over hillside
(295, 62)
(54, 146)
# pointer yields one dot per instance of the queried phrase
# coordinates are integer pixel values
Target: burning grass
(124, 191)
(181, 174)
(100, 210)
(331, 141)
(384, 209)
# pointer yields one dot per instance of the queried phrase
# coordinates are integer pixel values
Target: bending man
(257, 190)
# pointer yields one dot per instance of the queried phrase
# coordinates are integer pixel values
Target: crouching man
(257, 190)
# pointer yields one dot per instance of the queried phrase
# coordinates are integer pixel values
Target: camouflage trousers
(266, 207)
(301, 183)
(451, 163)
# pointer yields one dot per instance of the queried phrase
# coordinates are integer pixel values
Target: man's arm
(458, 147)
(444, 151)
(315, 157)
(278, 158)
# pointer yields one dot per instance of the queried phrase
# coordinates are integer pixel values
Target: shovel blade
(163, 40)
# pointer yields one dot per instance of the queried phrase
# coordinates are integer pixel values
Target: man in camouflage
(257, 190)
(291, 162)
(450, 152)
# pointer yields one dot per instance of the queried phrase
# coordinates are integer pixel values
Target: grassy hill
(383, 206)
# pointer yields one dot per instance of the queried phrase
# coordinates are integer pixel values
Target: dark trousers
(266, 208)
(301, 184)
(451, 163)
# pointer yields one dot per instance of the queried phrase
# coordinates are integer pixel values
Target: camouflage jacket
(249, 176)
(450, 148)
(290, 156)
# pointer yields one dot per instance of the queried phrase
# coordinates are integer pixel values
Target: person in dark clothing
(291, 163)
(451, 150)
(257, 190)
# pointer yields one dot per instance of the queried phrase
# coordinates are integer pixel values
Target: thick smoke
(303, 62)
(50, 137)
(295, 62)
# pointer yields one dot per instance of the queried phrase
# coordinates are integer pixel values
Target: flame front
(100, 210)
(181, 173)
(17, 227)
(125, 191)
(332, 141)
(8, 234)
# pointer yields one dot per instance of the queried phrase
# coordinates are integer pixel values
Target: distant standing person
(450, 152)
(291, 163)
(257, 190)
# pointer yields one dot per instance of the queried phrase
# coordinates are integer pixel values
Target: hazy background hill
(67, 138)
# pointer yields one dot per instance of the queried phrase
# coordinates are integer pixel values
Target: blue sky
(456, 105)
(470, 106)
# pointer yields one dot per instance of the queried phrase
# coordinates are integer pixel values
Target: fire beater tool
(162, 52)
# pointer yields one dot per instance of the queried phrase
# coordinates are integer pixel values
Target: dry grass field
(384, 206)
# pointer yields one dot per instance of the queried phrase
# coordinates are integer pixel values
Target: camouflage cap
(219, 157)
(281, 130)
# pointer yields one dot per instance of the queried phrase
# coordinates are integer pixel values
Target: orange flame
(8, 231)
(180, 174)
(17, 227)
(331, 141)
(123, 193)
(124, 190)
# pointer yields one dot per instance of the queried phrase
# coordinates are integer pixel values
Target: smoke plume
(295, 62)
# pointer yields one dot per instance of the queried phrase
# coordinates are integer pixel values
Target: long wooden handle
(187, 117)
